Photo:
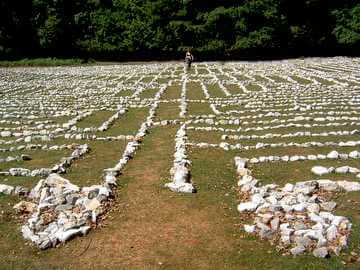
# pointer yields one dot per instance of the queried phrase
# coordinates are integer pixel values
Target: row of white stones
(183, 103)
(320, 170)
(240, 129)
(227, 147)
(291, 135)
(331, 155)
(180, 172)
(37, 146)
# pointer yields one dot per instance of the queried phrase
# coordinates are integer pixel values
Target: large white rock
(5, 133)
(181, 187)
(249, 228)
(331, 233)
(247, 206)
(5, 189)
(343, 169)
(328, 185)
(319, 170)
(320, 252)
(354, 154)
(349, 186)
(288, 187)
(333, 155)
(24, 206)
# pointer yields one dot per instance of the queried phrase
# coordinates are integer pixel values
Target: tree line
(164, 29)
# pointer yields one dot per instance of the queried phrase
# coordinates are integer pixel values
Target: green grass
(168, 111)
(291, 172)
(278, 79)
(125, 93)
(40, 159)
(253, 87)
(202, 71)
(172, 92)
(199, 108)
(300, 80)
(234, 89)
(44, 62)
(194, 91)
(197, 136)
(149, 93)
(147, 79)
(214, 90)
(127, 124)
(95, 119)
(89, 169)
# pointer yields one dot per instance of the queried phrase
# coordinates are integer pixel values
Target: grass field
(147, 225)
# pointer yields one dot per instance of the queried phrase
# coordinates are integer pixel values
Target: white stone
(321, 252)
(343, 169)
(181, 187)
(319, 170)
(331, 233)
(333, 155)
(247, 206)
(249, 228)
(5, 189)
(349, 186)
(288, 187)
(354, 154)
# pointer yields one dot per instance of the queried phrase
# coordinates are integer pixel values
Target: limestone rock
(319, 170)
(5, 189)
(297, 250)
(26, 207)
(321, 252)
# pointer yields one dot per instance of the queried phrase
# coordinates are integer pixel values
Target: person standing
(188, 58)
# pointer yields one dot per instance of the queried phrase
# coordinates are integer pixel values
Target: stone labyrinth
(291, 112)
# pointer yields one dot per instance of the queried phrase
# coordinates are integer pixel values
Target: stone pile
(298, 217)
(60, 210)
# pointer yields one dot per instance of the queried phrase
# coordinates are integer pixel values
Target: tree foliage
(165, 28)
